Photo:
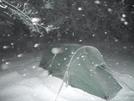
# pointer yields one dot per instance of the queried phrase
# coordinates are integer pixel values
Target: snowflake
(80, 8)
(97, 2)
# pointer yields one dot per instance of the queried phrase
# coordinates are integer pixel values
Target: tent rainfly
(81, 67)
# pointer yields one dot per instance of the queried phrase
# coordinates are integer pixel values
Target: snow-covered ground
(21, 79)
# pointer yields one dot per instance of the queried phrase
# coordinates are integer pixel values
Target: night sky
(64, 21)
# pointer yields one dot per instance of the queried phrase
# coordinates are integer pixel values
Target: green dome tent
(81, 67)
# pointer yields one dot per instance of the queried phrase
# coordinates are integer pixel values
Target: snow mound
(36, 85)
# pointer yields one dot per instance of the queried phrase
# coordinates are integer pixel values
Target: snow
(123, 15)
(55, 50)
(21, 79)
(97, 2)
(79, 8)
(125, 23)
(5, 47)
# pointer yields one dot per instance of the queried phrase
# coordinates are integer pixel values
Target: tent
(81, 67)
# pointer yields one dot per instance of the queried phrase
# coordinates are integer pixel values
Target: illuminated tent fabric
(84, 67)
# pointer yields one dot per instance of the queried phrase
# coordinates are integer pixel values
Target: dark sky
(71, 20)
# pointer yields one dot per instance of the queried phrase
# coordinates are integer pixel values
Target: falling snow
(36, 45)
(97, 2)
(122, 19)
(109, 9)
(79, 8)
(123, 15)
(20, 55)
(125, 23)
(27, 28)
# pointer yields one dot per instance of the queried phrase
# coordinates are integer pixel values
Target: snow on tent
(81, 67)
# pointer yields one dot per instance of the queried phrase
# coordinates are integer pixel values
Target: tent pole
(66, 72)
(61, 86)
